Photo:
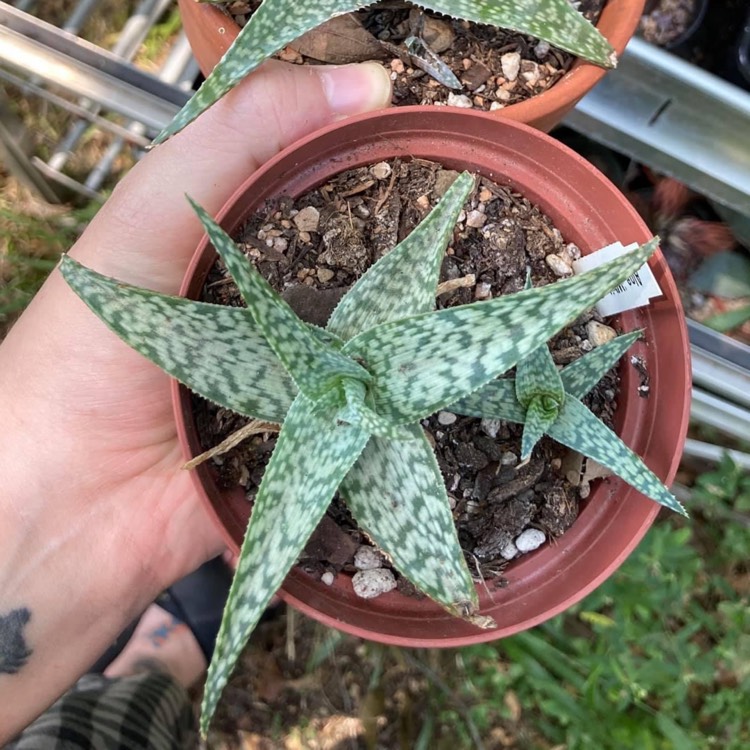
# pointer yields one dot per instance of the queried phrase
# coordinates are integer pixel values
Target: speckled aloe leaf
(357, 412)
(536, 374)
(397, 495)
(581, 376)
(311, 457)
(540, 390)
(403, 282)
(496, 400)
(580, 430)
(555, 21)
(216, 351)
(541, 413)
(315, 366)
(422, 364)
(276, 23)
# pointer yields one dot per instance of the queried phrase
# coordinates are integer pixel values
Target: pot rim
(607, 499)
(211, 32)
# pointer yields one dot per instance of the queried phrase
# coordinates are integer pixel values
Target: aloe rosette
(277, 23)
(349, 398)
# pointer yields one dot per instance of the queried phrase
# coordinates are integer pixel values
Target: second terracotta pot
(590, 212)
(211, 32)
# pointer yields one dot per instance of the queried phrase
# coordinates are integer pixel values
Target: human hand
(96, 517)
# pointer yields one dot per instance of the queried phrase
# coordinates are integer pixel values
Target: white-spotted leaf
(581, 376)
(315, 366)
(277, 23)
(554, 21)
(311, 458)
(423, 363)
(496, 400)
(403, 282)
(357, 412)
(269, 29)
(541, 414)
(397, 494)
(216, 351)
(580, 430)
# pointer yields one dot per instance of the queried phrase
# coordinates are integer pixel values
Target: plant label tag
(636, 291)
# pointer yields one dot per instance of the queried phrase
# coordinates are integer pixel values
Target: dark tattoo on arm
(13, 649)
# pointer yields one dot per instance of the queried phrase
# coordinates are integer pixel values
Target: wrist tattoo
(14, 652)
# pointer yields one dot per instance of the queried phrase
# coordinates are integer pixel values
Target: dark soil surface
(314, 248)
(495, 67)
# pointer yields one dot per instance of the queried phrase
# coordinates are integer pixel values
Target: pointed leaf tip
(403, 282)
(309, 462)
(216, 351)
(315, 365)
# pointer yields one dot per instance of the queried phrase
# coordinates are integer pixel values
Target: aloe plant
(548, 402)
(349, 398)
(277, 23)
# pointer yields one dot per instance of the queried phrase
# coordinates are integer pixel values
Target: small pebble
(325, 275)
(280, 244)
(459, 100)
(367, 558)
(598, 333)
(508, 459)
(483, 290)
(485, 195)
(511, 64)
(327, 578)
(502, 95)
(541, 50)
(586, 346)
(308, 219)
(530, 540)
(446, 417)
(530, 72)
(491, 427)
(381, 170)
(371, 583)
(509, 551)
(397, 66)
(423, 202)
(558, 265)
(475, 219)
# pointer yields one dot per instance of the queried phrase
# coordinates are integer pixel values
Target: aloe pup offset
(349, 398)
(277, 23)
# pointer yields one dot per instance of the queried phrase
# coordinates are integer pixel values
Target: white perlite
(446, 417)
(327, 578)
(598, 333)
(371, 583)
(475, 219)
(530, 540)
(381, 170)
(491, 427)
(558, 265)
(508, 459)
(308, 219)
(509, 551)
(459, 100)
(367, 558)
(511, 64)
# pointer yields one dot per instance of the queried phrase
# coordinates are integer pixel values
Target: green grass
(658, 658)
(30, 246)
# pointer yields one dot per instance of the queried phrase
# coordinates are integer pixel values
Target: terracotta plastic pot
(589, 211)
(211, 32)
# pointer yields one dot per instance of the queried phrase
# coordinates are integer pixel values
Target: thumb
(146, 232)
